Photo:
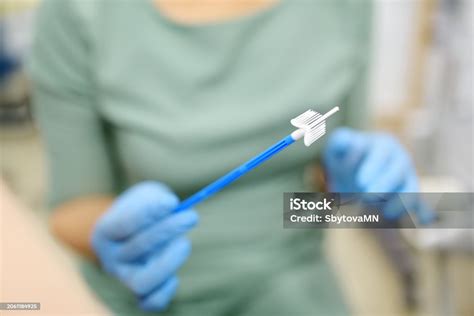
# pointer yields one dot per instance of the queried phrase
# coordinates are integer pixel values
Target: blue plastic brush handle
(233, 175)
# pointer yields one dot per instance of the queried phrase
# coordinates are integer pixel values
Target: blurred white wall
(394, 36)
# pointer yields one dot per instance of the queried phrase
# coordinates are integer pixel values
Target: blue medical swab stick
(311, 125)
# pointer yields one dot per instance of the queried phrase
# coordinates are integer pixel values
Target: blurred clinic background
(421, 90)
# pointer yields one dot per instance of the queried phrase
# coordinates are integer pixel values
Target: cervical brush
(311, 126)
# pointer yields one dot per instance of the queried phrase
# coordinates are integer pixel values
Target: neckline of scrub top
(234, 21)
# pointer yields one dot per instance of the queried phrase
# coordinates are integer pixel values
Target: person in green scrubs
(124, 94)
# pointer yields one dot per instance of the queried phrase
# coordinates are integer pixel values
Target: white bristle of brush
(311, 125)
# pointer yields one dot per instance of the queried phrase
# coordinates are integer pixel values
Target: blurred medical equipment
(311, 126)
(15, 37)
(442, 130)
(442, 134)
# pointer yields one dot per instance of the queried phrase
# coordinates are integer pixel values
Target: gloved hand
(369, 162)
(141, 242)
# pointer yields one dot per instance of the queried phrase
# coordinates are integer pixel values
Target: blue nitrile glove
(141, 241)
(371, 162)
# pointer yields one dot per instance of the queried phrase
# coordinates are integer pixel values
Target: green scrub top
(123, 94)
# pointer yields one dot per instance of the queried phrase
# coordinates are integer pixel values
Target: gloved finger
(157, 235)
(160, 267)
(105, 250)
(397, 170)
(397, 207)
(342, 142)
(411, 197)
(412, 204)
(339, 142)
(425, 214)
(139, 207)
(159, 299)
(342, 155)
(394, 208)
(373, 164)
(125, 271)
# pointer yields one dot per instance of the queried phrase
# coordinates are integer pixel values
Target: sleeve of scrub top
(65, 104)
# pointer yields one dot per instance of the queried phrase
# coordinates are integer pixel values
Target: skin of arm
(73, 222)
